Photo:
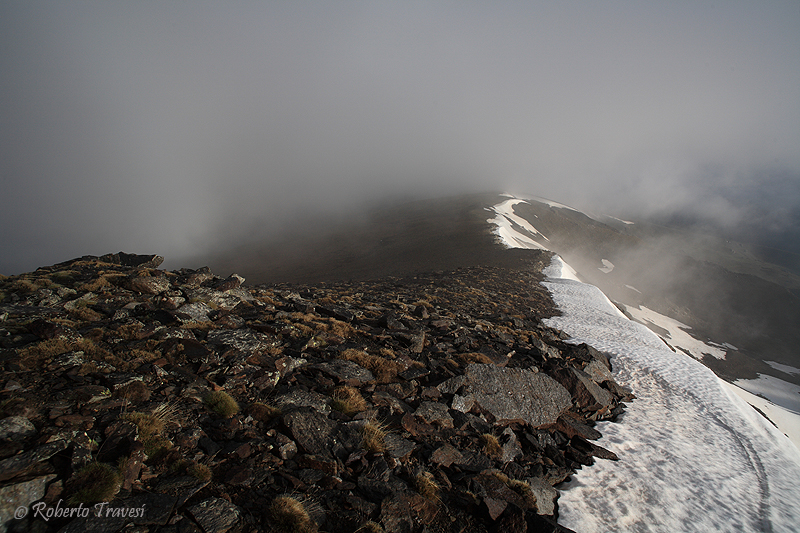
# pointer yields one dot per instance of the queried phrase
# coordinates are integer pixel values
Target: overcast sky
(150, 127)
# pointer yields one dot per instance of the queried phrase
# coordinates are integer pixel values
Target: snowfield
(693, 455)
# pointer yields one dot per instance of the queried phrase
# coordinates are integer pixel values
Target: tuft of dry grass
(427, 486)
(198, 471)
(384, 370)
(291, 516)
(129, 332)
(221, 403)
(348, 400)
(263, 412)
(370, 527)
(100, 283)
(85, 314)
(136, 391)
(491, 446)
(520, 487)
(34, 355)
(339, 328)
(374, 436)
(24, 285)
(94, 483)
(151, 426)
(473, 357)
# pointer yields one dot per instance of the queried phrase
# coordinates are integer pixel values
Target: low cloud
(167, 128)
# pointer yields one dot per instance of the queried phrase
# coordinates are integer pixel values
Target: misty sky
(157, 127)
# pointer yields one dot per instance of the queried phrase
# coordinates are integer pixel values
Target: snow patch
(513, 230)
(786, 369)
(776, 390)
(693, 455)
(631, 287)
(560, 269)
(607, 267)
(677, 337)
(787, 421)
(620, 220)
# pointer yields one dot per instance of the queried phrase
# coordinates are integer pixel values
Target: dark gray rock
(219, 299)
(244, 340)
(149, 285)
(398, 447)
(179, 489)
(587, 393)
(510, 446)
(132, 260)
(346, 371)
(446, 455)
(16, 428)
(234, 281)
(197, 312)
(215, 515)
(513, 394)
(311, 430)
(547, 351)
(434, 413)
(545, 495)
(20, 495)
(300, 398)
(18, 464)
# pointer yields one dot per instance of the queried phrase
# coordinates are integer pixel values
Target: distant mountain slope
(394, 240)
(723, 293)
(717, 288)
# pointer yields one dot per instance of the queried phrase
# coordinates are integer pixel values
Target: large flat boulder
(513, 394)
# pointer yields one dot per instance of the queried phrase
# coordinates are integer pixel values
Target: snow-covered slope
(693, 455)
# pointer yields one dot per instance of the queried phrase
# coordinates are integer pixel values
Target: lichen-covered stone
(513, 394)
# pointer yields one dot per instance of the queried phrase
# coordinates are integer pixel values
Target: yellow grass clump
(427, 486)
(491, 446)
(221, 403)
(374, 436)
(94, 483)
(290, 516)
(384, 370)
(348, 400)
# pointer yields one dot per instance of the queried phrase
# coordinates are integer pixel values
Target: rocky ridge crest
(433, 403)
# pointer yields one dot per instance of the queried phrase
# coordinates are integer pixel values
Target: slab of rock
(132, 260)
(18, 464)
(20, 495)
(149, 285)
(587, 393)
(215, 515)
(224, 300)
(244, 340)
(346, 371)
(495, 494)
(513, 394)
(311, 430)
(598, 371)
(511, 448)
(398, 447)
(446, 455)
(300, 398)
(198, 311)
(434, 413)
(545, 496)
(16, 428)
